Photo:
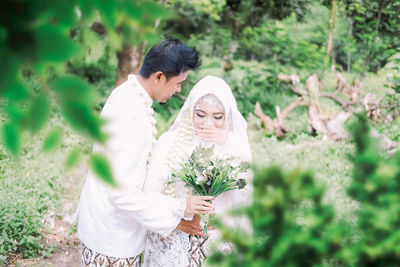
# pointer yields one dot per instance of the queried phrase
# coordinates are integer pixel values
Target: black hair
(171, 57)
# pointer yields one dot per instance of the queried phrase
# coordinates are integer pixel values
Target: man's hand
(191, 227)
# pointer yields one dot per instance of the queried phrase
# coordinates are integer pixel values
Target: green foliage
(376, 30)
(53, 139)
(35, 37)
(101, 168)
(11, 137)
(291, 225)
(23, 202)
(21, 226)
(252, 82)
(72, 158)
(31, 190)
(294, 33)
(288, 42)
(394, 74)
(376, 184)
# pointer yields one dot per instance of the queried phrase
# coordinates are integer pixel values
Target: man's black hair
(171, 57)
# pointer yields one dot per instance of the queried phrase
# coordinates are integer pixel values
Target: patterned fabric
(197, 250)
(167, 251)
(92, 258)
(180, 249)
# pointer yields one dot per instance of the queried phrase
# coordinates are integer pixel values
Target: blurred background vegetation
(61, 60)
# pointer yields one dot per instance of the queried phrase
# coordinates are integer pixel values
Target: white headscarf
(218, 87)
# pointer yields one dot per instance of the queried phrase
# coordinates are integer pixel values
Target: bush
(375, 184)
(23, 204)
(291, 226)
(394, 75)
(256, 81)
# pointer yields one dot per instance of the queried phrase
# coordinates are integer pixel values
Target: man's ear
(158, 76)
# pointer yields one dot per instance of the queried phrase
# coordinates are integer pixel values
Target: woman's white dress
(180, 249)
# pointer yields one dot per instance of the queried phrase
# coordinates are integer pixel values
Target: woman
(208, 117)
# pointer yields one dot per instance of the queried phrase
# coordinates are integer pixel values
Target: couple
(145, 212)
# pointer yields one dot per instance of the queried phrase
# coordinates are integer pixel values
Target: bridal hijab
(178, 143)
(211, 85)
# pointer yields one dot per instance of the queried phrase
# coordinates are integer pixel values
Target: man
(113, 222)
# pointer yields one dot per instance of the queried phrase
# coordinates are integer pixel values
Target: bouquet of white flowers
(210, 175)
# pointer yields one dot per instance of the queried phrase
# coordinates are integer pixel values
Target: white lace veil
(218, 87)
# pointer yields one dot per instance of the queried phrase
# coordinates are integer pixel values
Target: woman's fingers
(206, 132)
(205, 198)
(203, 208)
(199, 204)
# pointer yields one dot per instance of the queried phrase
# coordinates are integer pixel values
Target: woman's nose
(208, 121)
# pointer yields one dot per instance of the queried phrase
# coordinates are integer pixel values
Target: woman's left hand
(212, 134)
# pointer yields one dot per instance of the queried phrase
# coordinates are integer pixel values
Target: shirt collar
(147, 98)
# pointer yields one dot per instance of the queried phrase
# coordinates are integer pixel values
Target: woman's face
(206, 114)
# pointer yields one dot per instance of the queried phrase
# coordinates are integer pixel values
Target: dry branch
(277, 125)
(349, 97)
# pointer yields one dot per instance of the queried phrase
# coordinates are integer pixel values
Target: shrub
(291, 226)
(376, 184)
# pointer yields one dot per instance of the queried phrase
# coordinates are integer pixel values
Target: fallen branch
(277, 125)
(343, 103)
(292, 80)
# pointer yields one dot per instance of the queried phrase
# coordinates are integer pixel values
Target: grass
(326, 159)
(35, 189)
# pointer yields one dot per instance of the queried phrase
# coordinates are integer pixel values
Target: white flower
(235, 163)
(200, 178)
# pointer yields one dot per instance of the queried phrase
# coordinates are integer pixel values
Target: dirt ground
(61, 233)
(67, 253)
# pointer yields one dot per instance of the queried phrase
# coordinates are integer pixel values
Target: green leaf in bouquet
(241, 183)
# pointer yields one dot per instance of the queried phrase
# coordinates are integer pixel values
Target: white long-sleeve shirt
(114, 221)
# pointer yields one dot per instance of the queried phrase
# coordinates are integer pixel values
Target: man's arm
(191, 227)
(127, 150)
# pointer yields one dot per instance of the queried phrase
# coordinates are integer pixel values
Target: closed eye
(200, 115)
(218, 118)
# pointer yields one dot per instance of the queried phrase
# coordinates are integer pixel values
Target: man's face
(166, 88)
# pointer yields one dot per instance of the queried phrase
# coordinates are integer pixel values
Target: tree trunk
(331, 27)
(129, 62)
(370, 52)
(348, 48)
